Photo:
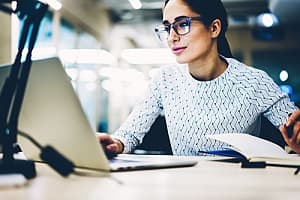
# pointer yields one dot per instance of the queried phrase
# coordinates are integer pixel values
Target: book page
(251, 146)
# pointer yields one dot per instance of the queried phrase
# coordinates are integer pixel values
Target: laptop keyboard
(116, 160)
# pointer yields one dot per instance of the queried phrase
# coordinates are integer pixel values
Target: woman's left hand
(291, 131)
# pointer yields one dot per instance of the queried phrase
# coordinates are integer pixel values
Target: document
(257, 149)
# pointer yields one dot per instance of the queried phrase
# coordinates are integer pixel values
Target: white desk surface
(207, 180)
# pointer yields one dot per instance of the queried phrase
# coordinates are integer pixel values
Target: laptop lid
(52, 114)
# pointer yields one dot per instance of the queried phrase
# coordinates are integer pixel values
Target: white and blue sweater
(231, 103)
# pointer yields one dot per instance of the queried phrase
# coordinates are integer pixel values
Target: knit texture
(231, 103)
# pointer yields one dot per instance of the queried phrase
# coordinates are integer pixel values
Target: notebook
(52, 114)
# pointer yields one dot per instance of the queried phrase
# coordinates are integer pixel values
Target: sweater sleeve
(276, 104)
(138, 123)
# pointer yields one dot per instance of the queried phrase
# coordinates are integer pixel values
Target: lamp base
(25, 167)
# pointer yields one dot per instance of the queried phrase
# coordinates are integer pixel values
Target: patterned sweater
(231, 103)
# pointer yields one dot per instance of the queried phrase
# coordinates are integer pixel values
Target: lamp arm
(12, 93)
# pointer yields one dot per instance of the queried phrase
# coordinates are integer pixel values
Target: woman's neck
(208, 69)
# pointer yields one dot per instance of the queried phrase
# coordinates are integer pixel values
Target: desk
(207, 180)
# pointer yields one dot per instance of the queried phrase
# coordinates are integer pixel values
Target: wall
(241, 41)
(5, 38)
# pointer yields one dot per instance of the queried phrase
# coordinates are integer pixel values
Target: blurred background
(110, 51)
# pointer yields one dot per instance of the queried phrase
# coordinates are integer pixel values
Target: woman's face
(193, 46)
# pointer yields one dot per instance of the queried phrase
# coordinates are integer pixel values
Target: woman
(210, 94)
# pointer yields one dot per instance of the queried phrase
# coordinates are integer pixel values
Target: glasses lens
(182, 26)
(162, 32)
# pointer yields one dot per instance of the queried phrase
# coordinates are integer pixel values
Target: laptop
(52, 114)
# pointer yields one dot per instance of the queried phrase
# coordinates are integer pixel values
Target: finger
(289, 141)
(284, 133)
(293, 117)
(296, 130)
(111, 151)
(104, 138)
(297, 140)
(112, 148)
(297, 126)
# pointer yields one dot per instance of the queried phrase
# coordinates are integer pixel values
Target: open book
(257, 149)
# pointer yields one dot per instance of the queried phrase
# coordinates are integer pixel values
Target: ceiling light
(284, 75)
(267, 20)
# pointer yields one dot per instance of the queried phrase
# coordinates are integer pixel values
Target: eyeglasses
(181, 26)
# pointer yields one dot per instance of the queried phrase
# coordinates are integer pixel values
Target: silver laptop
(52, 114)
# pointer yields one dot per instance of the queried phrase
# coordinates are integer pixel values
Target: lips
(178, 50)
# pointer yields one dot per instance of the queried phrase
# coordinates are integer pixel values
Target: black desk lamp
(12, 93)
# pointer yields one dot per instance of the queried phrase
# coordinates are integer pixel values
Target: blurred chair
(269, 132)
(156, 141)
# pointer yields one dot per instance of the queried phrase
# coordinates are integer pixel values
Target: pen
(289, 128)
(289, 131)
(297, 171)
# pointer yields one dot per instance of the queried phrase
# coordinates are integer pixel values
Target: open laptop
(52, 114)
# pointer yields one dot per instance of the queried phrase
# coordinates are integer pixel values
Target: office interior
(110, 50)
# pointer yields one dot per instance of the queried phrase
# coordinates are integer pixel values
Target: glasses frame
(162, 28)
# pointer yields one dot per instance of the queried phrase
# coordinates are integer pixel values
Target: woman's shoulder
(172, 70)
(240, 68)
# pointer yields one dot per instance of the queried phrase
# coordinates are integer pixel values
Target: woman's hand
(291, 131)
(111, 146)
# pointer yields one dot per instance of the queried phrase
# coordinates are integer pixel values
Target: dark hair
(211, 10)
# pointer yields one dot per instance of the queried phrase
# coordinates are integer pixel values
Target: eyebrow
(176, 18)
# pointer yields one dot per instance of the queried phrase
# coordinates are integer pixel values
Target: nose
(173, 36)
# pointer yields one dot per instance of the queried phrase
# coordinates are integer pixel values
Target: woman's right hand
(111, 146)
